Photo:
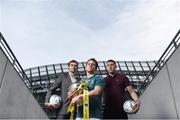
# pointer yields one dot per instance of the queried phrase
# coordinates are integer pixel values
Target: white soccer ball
(55, 100)
(129, 106)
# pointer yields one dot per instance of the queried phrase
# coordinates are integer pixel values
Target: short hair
(94, 60)
(72, 61)
(110, 60)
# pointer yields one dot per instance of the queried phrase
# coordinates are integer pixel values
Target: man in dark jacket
(63, 82)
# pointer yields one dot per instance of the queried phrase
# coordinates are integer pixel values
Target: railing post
(175, 45)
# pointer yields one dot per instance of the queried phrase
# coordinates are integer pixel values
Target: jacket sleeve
(52, 89)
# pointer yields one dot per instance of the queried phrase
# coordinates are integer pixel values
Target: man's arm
(55, 85)
(95, 92)
(98, 89)
(134, 96)
(132, 93)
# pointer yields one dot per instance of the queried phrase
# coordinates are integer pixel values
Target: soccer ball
(129, 106)
(55, 100)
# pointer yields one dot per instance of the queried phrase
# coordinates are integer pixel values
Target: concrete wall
(16, 101)
(161, 100)
(3, 62)
(174, 76)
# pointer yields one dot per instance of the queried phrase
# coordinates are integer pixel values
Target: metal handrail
(172, 47)
(13, 60)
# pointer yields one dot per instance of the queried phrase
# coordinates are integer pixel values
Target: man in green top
(95, 86)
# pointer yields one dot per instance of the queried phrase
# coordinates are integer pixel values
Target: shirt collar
(115, 74)
(91, 76)
(73, 75)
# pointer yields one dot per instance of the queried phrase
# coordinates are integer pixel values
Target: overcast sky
(44, 32)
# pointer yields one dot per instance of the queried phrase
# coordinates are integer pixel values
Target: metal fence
(42, 77)
(172, 47)
(11, 57)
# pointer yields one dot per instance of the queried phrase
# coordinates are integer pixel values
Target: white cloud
(46, 32)
(144, 31)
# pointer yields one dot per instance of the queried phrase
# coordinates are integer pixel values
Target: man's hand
(137, 106)
(77, 99)
(51, 106)
(72, 94)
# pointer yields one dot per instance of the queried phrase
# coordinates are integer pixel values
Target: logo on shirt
(91, 81)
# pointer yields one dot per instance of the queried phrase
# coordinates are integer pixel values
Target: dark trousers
(63, 116)
(120, 115)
